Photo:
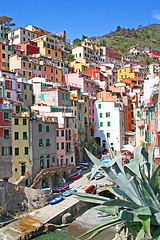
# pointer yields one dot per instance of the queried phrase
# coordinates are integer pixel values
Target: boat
(75, 176)
(72, 190)
(90, 189)
(67, 193)
(56, 200)
(99, 175)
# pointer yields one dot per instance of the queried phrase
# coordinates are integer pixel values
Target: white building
(150, 84)
(110, 124)
(21, 35)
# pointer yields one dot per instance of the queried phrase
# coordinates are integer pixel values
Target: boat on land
(99, 175)
(90, 189)
(56, 200)
(75, 176)
(67, 193)
(60, 189)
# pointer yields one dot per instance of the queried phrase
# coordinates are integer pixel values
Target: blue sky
(91, 18)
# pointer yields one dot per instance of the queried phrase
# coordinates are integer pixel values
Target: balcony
(70, 150)
(6, 106)
(40, 144)
(6, 136)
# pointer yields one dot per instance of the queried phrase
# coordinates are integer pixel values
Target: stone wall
(14, 199)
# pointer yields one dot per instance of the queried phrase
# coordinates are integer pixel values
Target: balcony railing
(5, 106)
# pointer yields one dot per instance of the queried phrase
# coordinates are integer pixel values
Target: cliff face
(81, 154)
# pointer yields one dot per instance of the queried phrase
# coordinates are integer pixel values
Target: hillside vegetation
(123, 38)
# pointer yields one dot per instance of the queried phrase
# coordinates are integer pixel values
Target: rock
(66, 218)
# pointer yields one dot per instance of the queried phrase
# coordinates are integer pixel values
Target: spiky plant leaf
(140, 235)
(145, 220)
(121, 203)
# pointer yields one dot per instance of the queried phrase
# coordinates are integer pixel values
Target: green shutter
(2, 151)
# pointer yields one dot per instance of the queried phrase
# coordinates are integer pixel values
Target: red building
(5, 139)
(154, 54)
(95, 73)
(30, 48)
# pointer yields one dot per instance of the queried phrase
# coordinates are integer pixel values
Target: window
(48, 142)
(23, 39)
(24, 135)
(16, 121)
(26, 150)
(25, 96)
(48, 165)
(100, 115)
(62, 145)
(49, 52)
(30, 88)
(30, 74)
(40, 127)
(23, 31)
(5, 151)
(24, 86)
(40, 142)
(24, 64)
(16, 135)
(62, 96)
(107, 114)
(34, 67)
(57, 133)
(17, 109)
(16, 151)
(66, 96)
(101, 124)
(108, 124)
(6, 116)
(51, 70)
(79, 106)
(45, 69)
(6, 133)
(3, 47)
(71, 159)
(99, 106)
(47, 128)
(57, 146)
(62, 133)
(108, 135)
(29, 65)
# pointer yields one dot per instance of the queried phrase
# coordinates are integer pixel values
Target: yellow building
(48, 47)
(6, 52)
(80, 63)
(20, 144)
(130, 72)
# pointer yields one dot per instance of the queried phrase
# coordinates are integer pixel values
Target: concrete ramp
(27, 226)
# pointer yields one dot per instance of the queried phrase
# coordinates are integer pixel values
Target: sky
(82, 17)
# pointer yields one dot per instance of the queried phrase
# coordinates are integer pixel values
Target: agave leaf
(122, 182)
(145, 220)
(150, 157)
(156, 233)
(107, 221)
(134, 168)
(110, 150)
(144, 153)
(118, 192)
(102, 228)
(138, 158)
(108, 210)
(121, 203)
(142, 211)
(140, 235)
(94, 159)
(149, 191)
(94, 172)
(153, 178)
(128, 216)
(86, 197)
(116, 160)
(157, 215)
(135, 184)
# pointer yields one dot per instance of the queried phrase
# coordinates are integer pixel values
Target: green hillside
(123, 38)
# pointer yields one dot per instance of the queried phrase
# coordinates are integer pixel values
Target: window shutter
(2, 151)
(10, 150)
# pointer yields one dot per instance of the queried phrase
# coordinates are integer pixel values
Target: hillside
(123, 38)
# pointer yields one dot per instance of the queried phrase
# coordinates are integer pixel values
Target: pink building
(82, 81)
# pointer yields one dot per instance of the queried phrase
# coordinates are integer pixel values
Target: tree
(103, 42)
(83, 37)
(136, 206)
(77, 42)
(118, 28)
(6, 25)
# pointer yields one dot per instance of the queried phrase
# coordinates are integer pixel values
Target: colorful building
(5, 139)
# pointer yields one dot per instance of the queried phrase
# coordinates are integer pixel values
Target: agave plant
(136, 206)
